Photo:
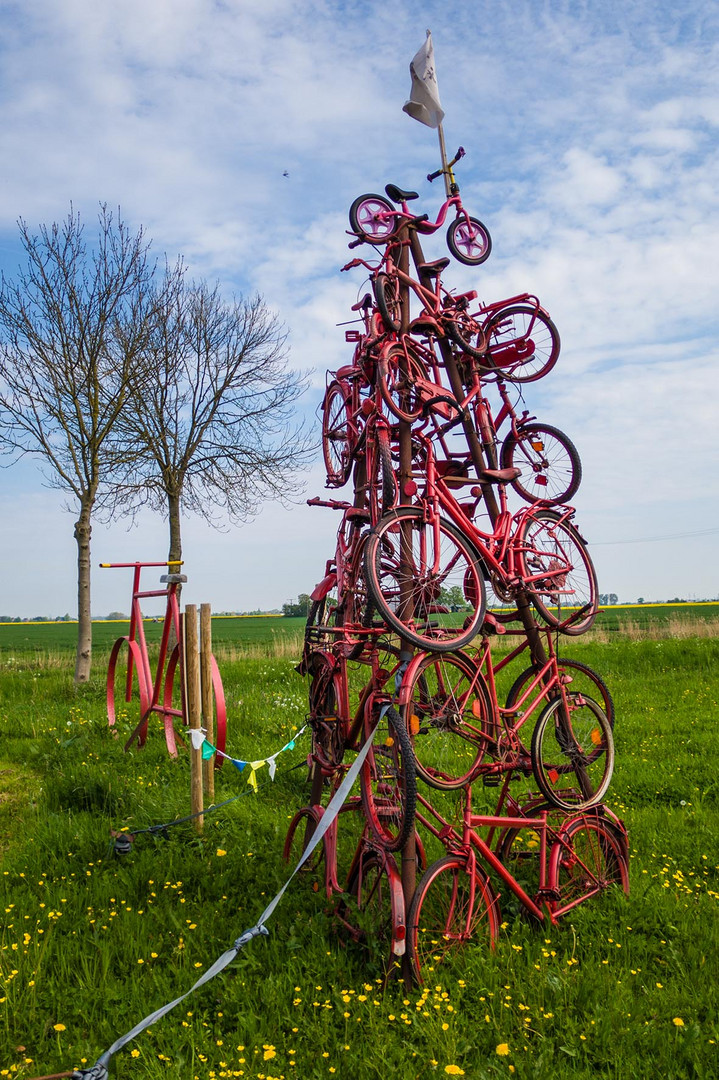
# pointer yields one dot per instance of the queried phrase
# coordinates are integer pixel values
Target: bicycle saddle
(397, 195)
(433, 269)
(495, 476)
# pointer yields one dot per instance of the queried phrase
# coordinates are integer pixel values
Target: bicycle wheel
(397, 375)
(452, 906)
(550, 465)
(355, 607)
(381, 493)
(470, 243)
(324, 716)
(337, 438)
(128, 696)
(174, 705)
(578, 678)
(586, 859)
(467, 332)
(299, 834)
(415, 568)
(522, 342)
(557, 571)
(372, 909)
(373, 218)
(573, 753)
(389, 301)
(389, 782)
(449, 715)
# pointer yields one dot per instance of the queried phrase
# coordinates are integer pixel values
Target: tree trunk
(175, 552)
(83, 659)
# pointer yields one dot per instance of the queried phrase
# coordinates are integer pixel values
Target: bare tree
(211, 420)
(72, 323)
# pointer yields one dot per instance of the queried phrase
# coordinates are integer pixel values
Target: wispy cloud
(591, 155)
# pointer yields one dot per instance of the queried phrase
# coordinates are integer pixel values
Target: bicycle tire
(388, 782)
(444, 915)
(299, 834)
(573, 748)
(448, 712)
(400, 554)
(170, 707)
(324, 694)
(587, 858)
(464, 330)
(557, 571)
(470, 244)
(397, 375)
(363, 219)
(134, 697)
(381, 489)
(389, 301)
(552, 458)
(337, 440)
(372, 909)
(523, 343)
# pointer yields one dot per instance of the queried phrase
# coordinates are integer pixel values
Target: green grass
(598, 996)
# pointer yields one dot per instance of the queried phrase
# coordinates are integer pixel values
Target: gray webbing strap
(99, 1071)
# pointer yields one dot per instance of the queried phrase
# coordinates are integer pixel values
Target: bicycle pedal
(491, 780)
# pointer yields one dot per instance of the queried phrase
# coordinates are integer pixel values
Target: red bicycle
(129, 674)
(415, 556)
(572, 858)
(557, 723)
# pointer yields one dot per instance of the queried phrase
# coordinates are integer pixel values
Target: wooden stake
(208, 698)
(194, 710)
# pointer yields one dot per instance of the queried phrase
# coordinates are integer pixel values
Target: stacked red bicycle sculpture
(397, 646)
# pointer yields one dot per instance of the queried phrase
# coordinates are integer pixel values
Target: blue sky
(592, 156)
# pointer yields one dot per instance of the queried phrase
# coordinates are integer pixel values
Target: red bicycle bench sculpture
(131, 684)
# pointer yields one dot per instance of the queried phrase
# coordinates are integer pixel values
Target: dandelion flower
(269, 1054)
(220, 852)
(503, 1049)
(678, 1022)
(61, 1027)
(454, 1070)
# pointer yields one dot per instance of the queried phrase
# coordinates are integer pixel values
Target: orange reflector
(596, 737)
(477, 708)
(537, 445)
(553, 775)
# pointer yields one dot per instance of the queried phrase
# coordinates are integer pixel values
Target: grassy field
(92, 941)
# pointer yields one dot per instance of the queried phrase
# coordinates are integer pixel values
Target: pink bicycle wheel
(128, 696)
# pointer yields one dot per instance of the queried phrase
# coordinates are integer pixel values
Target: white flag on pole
(424, 104)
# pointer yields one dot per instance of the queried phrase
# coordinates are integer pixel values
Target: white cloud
(591, 156)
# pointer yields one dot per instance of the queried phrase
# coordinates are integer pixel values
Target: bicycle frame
(498, 549)
(156, 692)
(472, 846)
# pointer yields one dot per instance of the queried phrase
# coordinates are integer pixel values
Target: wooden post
(409, 851)
(208, 698)
(194, 710)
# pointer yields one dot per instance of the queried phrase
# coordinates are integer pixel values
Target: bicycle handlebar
(460, 154)
(334, 504)
(125, 565)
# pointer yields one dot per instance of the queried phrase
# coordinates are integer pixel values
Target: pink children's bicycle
(376, 220)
